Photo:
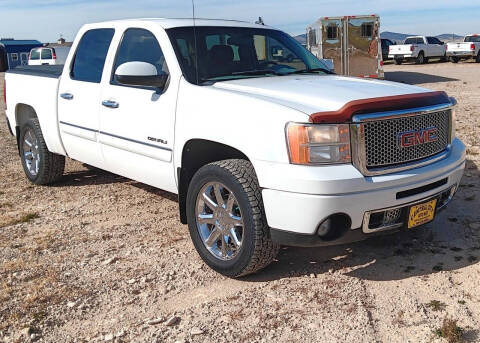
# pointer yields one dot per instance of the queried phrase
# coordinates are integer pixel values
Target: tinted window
(222, 53)
(90, 56)
(432, 40)
(410, 41)
(420, 41)
(332, 32)
(472, 39)
(46, 54)
(139, 45)
(35, 54)
(367, 30)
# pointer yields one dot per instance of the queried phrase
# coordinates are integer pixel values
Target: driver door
(137, 123)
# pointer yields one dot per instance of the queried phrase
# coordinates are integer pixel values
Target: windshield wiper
(312, 70)
(256, 72)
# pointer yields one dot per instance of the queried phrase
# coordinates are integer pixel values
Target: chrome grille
(381, 139)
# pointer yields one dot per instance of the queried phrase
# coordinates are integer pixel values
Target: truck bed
(52, 71)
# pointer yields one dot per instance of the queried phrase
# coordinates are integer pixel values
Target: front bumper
(305, 203)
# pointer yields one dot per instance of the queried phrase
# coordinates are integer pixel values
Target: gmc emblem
(412, 138)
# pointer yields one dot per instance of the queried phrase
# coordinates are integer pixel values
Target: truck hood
(316, 93)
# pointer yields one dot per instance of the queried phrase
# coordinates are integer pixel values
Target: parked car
(419, 49)
(261, 153)
(469, 48)
(386, 43)
(48, 56)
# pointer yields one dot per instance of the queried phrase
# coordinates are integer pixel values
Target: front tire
(226, 218)
(477, 59)
(40, 165)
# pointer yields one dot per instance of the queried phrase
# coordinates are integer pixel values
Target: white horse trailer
(351, 42)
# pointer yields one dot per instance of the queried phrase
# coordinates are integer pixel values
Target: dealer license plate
(422, 213)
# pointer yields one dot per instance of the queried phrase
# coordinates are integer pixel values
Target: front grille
(381, 139)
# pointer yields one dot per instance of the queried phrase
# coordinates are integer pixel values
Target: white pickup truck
(261, 153)
(419, 49)
(469, 48)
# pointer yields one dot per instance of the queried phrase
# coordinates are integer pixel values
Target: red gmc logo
(412, 138)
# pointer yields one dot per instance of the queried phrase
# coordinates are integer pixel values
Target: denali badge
(412, 138)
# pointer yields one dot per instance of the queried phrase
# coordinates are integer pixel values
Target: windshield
(226, 53)
(472, 39)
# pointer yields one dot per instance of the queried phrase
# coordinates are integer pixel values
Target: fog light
(334, 227)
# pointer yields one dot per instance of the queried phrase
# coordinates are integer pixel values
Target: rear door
(362, 46)
(35, 55)
(47, 56)
(79, 96)
(332, 43)
(137, 123)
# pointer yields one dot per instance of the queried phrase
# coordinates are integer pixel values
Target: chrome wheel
(219, 220)
(31, 153)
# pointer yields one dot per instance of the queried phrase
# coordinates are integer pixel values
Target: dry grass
(436, 305)
(450, 331)
(24, 218)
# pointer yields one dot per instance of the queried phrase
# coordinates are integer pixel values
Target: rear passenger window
(139, 45)
(35, 54)
(46, 54)
(91, 54)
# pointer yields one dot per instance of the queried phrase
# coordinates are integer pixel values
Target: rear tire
(40, 165)
(211, 219)
(478, 58)
(397, 61)
(454, 59)
(420, 58)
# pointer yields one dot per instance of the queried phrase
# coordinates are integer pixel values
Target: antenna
(195, 40)
(259, 21)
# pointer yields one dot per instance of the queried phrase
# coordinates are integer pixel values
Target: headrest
(222, 52)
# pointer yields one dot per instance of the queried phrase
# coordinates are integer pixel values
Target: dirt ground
(101, 258)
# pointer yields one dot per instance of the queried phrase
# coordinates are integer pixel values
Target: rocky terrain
(100, 258)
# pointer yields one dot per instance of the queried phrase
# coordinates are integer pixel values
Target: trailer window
(90, 56)
(332, 32)
(367, 30)
(14, 57)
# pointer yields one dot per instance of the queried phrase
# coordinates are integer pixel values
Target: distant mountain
(449, 37)
(302, 39)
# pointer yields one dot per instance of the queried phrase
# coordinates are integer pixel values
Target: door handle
(110, 103)
(66, 96)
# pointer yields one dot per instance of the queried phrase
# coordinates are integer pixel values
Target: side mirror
(141, 74)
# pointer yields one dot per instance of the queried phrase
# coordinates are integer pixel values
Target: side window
(35, 54)
(420, 40)
(14, 57)
(367, 30)
(430, 40)
(46, 54)
(139, 45)
(332, 32)
(91, 54)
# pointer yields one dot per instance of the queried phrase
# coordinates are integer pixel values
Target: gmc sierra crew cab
(469, 48)
(418, 49)
(261, 152)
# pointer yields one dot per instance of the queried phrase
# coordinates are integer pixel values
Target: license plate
(400, 56)
(422, 213)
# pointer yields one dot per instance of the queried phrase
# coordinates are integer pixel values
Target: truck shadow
(89, 177)
(449, 243)
(414, 78)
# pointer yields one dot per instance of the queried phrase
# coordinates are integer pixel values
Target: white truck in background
(419, 49)
(469, 48)
(262, 152)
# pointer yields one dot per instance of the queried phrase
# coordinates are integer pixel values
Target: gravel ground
(101, 258)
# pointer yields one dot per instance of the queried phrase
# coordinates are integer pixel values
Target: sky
(46, 20)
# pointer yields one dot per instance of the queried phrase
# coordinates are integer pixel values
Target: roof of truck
(168, 23)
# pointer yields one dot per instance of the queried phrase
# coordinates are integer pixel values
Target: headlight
(318, 143)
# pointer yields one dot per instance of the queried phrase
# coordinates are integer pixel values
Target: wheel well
(22, 114)
(197, 153)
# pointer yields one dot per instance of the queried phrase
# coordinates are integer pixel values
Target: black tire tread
(54, 165)
(265, 250)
